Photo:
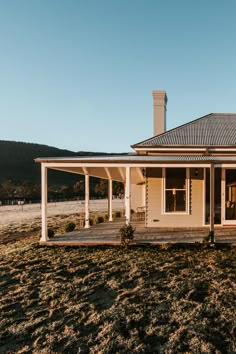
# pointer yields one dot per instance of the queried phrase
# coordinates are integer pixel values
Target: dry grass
(115, 300)
(16, 223)
(20, 230)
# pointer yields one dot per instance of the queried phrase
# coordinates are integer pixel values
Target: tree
(118, 188)
(79, 188)
(101, 189)
(8, 189)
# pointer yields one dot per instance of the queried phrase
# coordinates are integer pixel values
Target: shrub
(51, 233)
(70, 226)
(100, 219)
(126, 233)
(95, 217)
(166, 246)
(206, 239)
(117, 214)
(209, 238)
(106, 217)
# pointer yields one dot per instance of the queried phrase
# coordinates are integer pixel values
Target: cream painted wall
(137, 196)
(155, 216)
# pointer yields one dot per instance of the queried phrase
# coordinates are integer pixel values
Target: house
(184, 177)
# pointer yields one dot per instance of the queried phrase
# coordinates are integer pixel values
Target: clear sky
(78, 74)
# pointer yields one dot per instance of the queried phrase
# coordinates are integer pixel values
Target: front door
(229, 196)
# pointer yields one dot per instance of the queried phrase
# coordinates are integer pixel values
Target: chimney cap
(160, 94)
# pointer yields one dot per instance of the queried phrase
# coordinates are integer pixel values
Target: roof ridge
(224, 114)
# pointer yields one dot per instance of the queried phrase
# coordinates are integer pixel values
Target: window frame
(187, 192)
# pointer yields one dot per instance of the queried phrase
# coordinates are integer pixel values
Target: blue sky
(79, 74)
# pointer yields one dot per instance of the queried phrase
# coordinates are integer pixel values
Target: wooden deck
(107, 234)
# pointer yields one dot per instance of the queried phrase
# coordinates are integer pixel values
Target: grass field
(116, 300)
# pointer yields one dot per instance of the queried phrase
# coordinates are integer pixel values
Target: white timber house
(184, 177)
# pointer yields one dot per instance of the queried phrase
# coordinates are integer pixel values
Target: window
(175, 191)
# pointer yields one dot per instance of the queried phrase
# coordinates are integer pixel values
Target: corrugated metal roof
(129, 159)
(215, 129)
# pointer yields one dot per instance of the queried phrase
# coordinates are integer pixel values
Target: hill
(17, 162)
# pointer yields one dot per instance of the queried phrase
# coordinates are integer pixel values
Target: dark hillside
(17, 162)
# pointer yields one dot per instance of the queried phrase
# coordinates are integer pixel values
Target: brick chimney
(159, 112)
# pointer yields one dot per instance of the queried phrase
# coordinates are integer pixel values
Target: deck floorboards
(107, 234)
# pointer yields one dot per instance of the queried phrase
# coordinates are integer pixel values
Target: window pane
(175, 201)
(181, 200)
(175, 178)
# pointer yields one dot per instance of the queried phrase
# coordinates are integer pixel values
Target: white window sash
(186, 189)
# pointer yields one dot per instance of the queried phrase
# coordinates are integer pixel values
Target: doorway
(229, 195)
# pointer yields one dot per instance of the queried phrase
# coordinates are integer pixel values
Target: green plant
(117, 214)
(206, 239)
(51, 233)
(70, 226)
(166, 246)
(126, 233)
(100, 219)
(209, 238)
(212, 237)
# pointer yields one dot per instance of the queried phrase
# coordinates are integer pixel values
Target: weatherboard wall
(137, 196)
(156, 217)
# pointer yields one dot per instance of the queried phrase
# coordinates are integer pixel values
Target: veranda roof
(113, 167)
(137, 159)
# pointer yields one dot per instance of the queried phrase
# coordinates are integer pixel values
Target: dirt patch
(106, 300)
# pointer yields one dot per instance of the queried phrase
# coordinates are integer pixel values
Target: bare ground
(106, 300)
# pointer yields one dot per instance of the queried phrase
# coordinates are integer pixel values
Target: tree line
(14, 192)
